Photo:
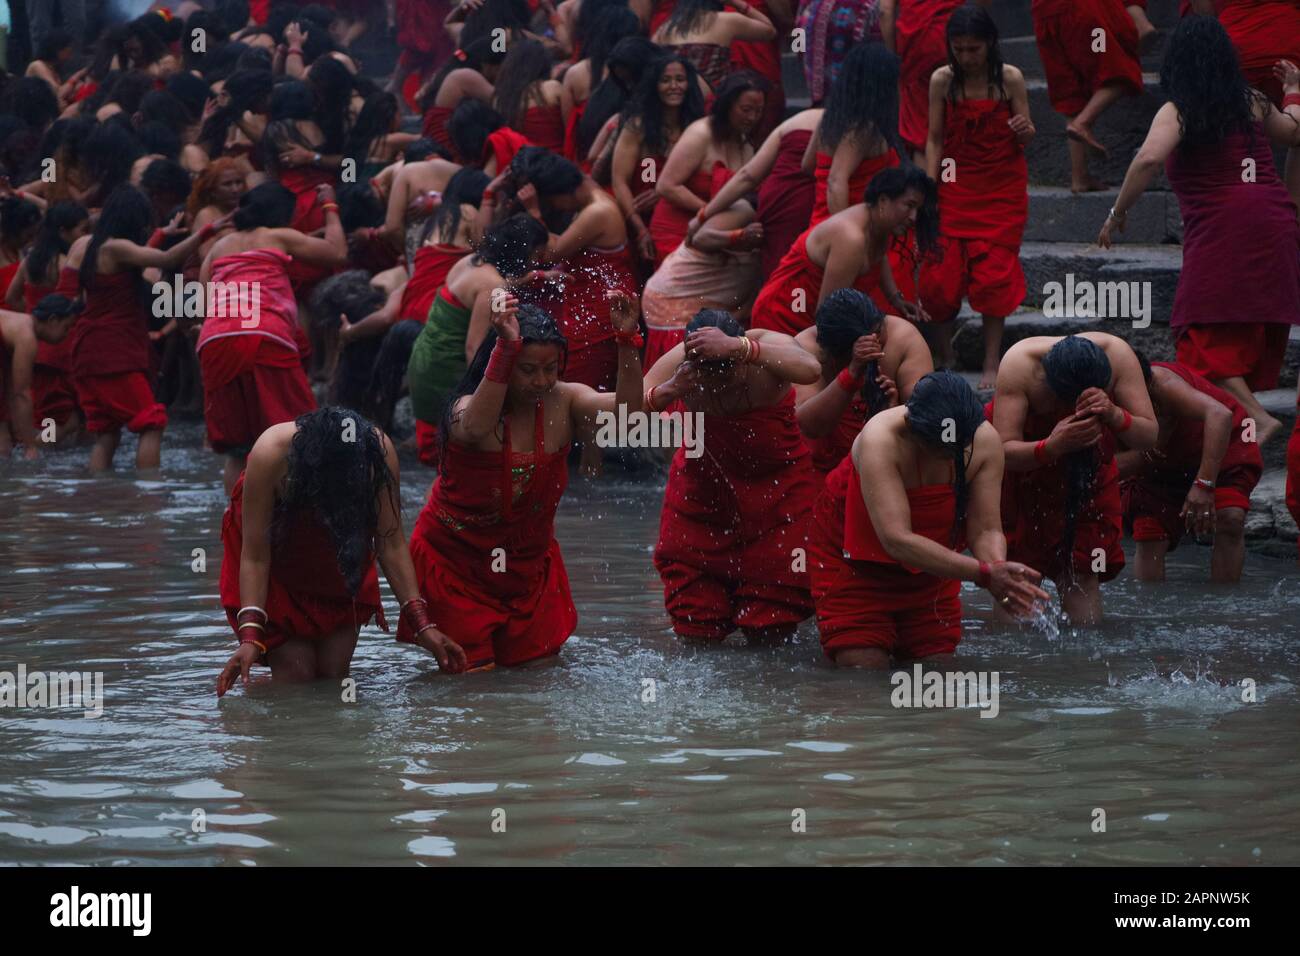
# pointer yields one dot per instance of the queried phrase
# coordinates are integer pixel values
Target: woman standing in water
(317, 504)
(886, 538)
(484, 546)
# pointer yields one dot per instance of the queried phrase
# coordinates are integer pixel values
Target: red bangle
(1040, 451)
(1291, 99)
(650, 398)
(985, 576)
(503, 358)
(1128, 421)
(633, 338)
(846, 381)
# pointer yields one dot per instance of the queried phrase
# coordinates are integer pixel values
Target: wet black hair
(359, 207)
(526, 64)
(476, 53)
(895, 181)
(469, 126)
(846, 316)
(715, 319)
(388, 370)
(465, 186)
(127, 214)
(374, 122)
(49, 244)
(1201, 75)
(646, 106)
(509, 246)
(550, 175)
(945, 412)
(54, 42)
(233, 14)
(331, 83)
(161, 107)
(31, 100)
(293, 100)
(254, 58)
(687, 15)
(128, 91)
(612, 95)
(422, 149)
(17, 216)
(159, 138)
(1072, 366)
(602, 28)
(350, 294)
(536, 327)
(190, 90)
(729, 90)
(54, 306)
(509, 15)
(971, 20)
(166, 178)
(340, 484)
(863, 101)
(111, 150)
(270, 205)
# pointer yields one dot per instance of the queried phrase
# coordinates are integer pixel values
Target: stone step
(1013, 17)
(1051, 264)
(1058, 215)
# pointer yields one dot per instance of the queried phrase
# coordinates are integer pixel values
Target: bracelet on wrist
(984, 577)
(632, 338)
(1041, 454)
(847, 381)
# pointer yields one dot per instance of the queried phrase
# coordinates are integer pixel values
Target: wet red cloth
(658, 343)
(1226, 350)
(1263, 31)
(308, 216)
(434, 127)
(988, 199)
(669, 221)
(1075, 72)
(112, 335)
(866, 599)
(764, 58)
(785, 199)
(660, 11)
(1033, 511)
(796, 282)
(503, 144)
(121, 400)
(1153, 498)
(584, 314)
(250, 382)
(432, 263)
(7, 274)
(306, 596)
(426, 443)
(571, 146)
(832, 448)
(259, 10)
(731, 523)
(858, 182)
(496, 509)
(544, 126)
(1241, 241)
(274, 315)
(420, 31)
(922, 46)
(53, 394)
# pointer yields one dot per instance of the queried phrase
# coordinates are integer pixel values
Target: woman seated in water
(318, 502)
(885, 541)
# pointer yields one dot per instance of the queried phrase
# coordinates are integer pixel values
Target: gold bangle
(258, 644)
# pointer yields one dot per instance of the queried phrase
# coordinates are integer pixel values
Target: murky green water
(95, 574)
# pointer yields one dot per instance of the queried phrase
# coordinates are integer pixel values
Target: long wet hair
(510, 245)
(111, 150)
(469, 126)
(719, 319)
(945, 413)
(466, 186)
(863, 101)
(895, 181)
(525, 65)
(1201, 75)
(606, 27)
(351, 294)
(611, 95)
(127, 214)
(374, 122)
(473, 55)
(270, 205)
(49, 243)
(17, 217)
(646, 106)
(690, 15)
(971, 20)
(509, 15)
(1072, 366)
(729, 91)
(536, 327)
(331, 83)
(846, 316)
(339, 482)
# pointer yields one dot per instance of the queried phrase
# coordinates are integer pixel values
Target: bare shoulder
(941, 78)
(1011, 76)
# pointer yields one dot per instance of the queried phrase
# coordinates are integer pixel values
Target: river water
(631, 748)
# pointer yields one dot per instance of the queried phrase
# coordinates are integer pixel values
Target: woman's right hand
(506, 319)
(1073, 434)
(645, 246)
(865, 351)
(1015, 587)
(1288, 74)
(324, 194)
(450, 655)
(237, 667)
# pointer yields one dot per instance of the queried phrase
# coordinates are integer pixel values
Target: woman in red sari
(979, 127)
(585, 77)
(484, 546)
(527, 98)
(1239, 289)
(468, 73)
(886, 539)
(709, 152)
(734, 517)
(914, 29)
(317, 504)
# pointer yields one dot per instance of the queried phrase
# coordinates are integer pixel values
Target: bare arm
(940, 80)
(332, 250)
(888, 10)
(1186, 402)
(20, 392)
(785, 358)
(748, 177)
(587, 403)
(14, 297)
(685, 158)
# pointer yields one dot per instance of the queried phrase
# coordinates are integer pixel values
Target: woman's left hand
(712, 344)
(624, 310)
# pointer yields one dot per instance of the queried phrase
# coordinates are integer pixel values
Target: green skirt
(438, 358)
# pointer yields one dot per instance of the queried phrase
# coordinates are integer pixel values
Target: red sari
(503, 144)
(571, 146)
(308, 216)
(1033, 511)
(764, 58)
(785, 199)
(544, 126)
(485, 552)
(53, 394)
(731, 521)
(788, 300)
(306, 596)
(1075, 71)
(434, 127)
(432, 263)
(922, 44)
(863, 175)
(1263, 31)
(864, 597)
(111, 358)
(1153, 498)
(669, 221)
(583, 316)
